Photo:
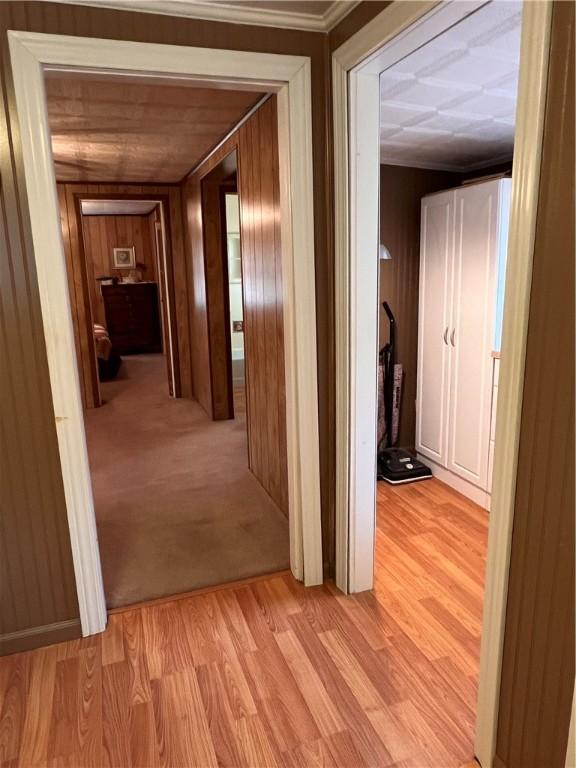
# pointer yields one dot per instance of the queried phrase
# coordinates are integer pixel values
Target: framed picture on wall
(124, 258)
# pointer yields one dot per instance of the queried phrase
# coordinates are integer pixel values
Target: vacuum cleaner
(395, 465)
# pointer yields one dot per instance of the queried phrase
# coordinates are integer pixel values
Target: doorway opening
(224, 288)
(236, 301)
(179, 503)
(288, 77)
(434, 125)
(122, 257)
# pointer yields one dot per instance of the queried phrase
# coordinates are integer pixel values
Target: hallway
(176, 505)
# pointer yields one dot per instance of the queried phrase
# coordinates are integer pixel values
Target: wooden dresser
(133, 317)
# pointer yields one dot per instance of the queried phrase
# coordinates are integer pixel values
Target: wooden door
(472, 329)
(436, 247)
(164, 317)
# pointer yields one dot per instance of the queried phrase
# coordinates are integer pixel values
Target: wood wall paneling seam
(227, 13)
(35, 637)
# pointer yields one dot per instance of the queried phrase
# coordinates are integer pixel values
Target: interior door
(161, 273)
(436, 249)
(472, 331)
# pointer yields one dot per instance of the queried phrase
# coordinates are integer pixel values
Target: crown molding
(337, 11)
(453, 167)
(214, 10)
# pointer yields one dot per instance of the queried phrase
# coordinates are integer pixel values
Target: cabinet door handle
(446, 335)
(452, 337)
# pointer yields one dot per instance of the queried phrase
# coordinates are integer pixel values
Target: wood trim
(82, 53)
(73, 241)
(58, 333)
(538, 662)
(224, 141)
(361, 15)
(299, 317)
(235, 14)
(355, 394)
(47, 634)
(238, 584)
(342, 318)
(364, 105)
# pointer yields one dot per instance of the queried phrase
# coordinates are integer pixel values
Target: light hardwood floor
(270, 674)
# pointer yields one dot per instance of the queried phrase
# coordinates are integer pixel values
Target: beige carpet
(176, 505)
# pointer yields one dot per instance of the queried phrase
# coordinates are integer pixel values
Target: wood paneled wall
(24, 327)
(259, 195)
(256, 143)
(104, 233)
(38, 603)
(81, 305)
(538, 661)
(401, 190)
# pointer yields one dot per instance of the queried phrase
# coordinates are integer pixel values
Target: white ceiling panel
(117, 207)
(451, 103)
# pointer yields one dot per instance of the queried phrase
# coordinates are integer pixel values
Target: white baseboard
(472, 492)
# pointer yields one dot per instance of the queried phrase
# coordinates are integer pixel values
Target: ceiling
(316, 15)
(451, 104)
(117, 207)
(129, 129)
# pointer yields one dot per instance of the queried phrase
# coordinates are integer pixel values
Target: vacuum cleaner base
(396, 466)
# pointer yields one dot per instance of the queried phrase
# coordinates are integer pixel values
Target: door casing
(394, 33)
(289, 77)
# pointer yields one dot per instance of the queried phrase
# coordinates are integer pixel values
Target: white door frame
(402, 27)
(289, 77)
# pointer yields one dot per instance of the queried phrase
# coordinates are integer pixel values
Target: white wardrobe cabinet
(462, 264)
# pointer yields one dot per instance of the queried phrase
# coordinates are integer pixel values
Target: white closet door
(436, 246)
(472, 331)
